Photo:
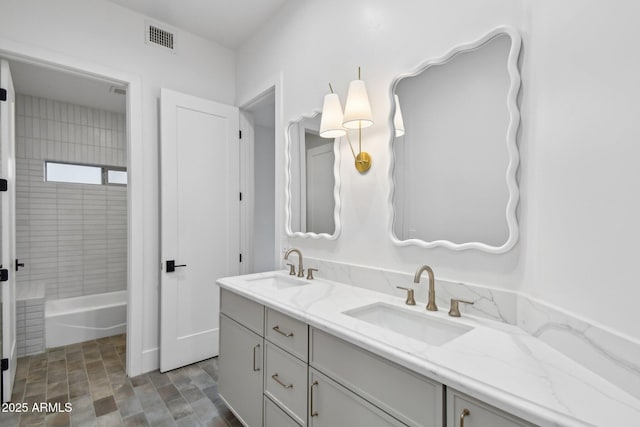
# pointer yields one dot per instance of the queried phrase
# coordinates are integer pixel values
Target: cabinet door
(465, 411)
(332, 405)
(240, 371)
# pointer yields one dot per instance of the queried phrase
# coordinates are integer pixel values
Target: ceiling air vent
(156, 36)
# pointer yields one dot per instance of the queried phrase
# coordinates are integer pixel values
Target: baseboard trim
(150, 359)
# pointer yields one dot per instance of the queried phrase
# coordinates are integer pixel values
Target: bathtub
(72, 320)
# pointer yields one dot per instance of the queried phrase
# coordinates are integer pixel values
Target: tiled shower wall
(72, 237)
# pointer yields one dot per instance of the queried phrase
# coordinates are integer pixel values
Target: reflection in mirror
(312, 181)
(455, 121)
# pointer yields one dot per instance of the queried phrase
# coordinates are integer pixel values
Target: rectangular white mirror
(312, 180)
(454, 148)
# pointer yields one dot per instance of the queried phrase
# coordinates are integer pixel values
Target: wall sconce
(357, 115)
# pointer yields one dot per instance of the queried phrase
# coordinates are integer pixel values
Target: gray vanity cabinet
(276, 371)
(240, 378)
(465, 411)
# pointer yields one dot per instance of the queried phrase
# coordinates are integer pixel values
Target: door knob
(171, 266)
(19, 264)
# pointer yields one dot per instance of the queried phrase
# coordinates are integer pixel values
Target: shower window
(116, 177)
(84, 174)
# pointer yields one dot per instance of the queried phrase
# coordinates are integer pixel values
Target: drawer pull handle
(275, 378)
(465, 412)
(254, 358)
(286, 334)
(312, 412)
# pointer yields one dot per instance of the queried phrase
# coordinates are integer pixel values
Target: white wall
(579, 139)
(103, 33)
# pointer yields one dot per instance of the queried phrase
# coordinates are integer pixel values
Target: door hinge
(5, 364)
(3, 94)
(240, 134)
(4, 185)
(241, 196)
(240, 257)
(4, 274)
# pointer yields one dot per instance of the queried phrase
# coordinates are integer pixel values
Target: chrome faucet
(300, 268)
(431, 304)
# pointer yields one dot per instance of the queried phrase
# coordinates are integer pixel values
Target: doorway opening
(258, 183)
(71, 207)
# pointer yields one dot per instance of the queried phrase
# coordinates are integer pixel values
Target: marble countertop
(497, 363)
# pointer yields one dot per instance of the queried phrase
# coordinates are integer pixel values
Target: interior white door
(320, 184)
(8, 229)
(199, 222)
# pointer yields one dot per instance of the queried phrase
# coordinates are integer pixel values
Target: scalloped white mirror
(454, 155)
(312, 180)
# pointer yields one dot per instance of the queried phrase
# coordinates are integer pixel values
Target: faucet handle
(410, 299)
(454, 311)
(292, 269)
(310, 273)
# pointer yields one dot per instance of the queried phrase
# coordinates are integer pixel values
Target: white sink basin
(419, 326)
(276, 282)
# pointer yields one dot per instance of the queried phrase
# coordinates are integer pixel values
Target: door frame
(135, 161)
(8, 342)
(270, 85)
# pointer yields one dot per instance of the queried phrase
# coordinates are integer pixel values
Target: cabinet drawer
(285, 382)
(331, 405)
(480, 414)
(288, 333)
(413, 399)
(242, 310)
(275, 417)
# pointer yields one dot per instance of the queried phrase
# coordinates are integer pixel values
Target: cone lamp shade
(332, 118)
(357, 111)
(398, 123)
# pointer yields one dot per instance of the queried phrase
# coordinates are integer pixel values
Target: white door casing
(199, 182)
(8, 172)
(247, 207)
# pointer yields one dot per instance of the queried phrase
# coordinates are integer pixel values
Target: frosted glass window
(116, 177)
(79, 174)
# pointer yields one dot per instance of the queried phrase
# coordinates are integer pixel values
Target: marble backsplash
(603, 351)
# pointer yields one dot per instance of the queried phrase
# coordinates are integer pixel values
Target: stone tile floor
(91, 376)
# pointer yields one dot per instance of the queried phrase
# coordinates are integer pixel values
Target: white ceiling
(226, 22)
(34, 80)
